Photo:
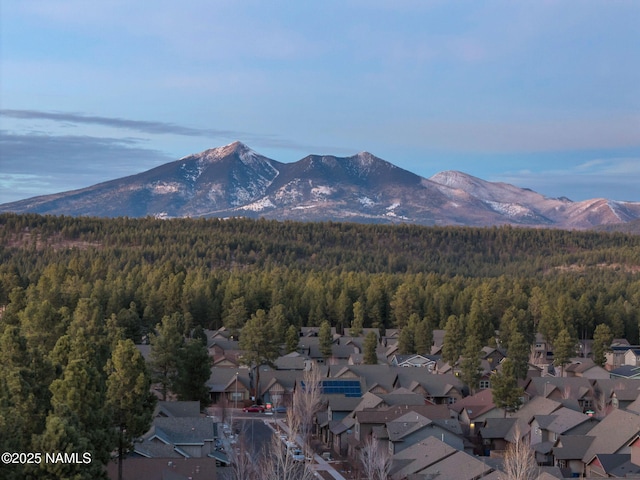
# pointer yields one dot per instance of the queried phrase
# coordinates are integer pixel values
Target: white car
(297, 455)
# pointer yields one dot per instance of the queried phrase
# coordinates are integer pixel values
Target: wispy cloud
(37, 164)
(616, 179)
(160, 128)
(115, 122)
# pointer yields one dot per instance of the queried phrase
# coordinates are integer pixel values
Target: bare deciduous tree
(243, 465)
(277, 461)
(307, 401)
(376, 461)
(519, 460)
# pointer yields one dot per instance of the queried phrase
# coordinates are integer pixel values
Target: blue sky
(541, 94)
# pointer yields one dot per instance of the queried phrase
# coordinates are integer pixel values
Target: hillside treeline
(215, 271)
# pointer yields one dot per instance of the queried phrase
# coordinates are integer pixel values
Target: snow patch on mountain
(191, 171)
(321, 191)
(512, 210)
(258, 206)
(289, 193)
(366, 202)
(162, 188)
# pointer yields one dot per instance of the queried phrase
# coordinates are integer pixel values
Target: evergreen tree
(406, 339)
(278, 319)
(518, 352)
(79, 397)
(564, 348)
(256, 339)
(236, 317)
(471, 366)
(602, 338)
(129, 401)
(504, 387)
(165, 352)
(369, 347)
(453, 342)
(292, 339)
(62, 435)
(325, 340)
(19, 412)
(358, 320)
(424, 336)
(193, 371)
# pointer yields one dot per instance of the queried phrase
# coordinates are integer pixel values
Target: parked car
(254, 409)
(298, 456)
(280, 409)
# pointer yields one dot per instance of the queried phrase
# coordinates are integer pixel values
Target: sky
(538, 93)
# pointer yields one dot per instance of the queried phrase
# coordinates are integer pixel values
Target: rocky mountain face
(236, 181)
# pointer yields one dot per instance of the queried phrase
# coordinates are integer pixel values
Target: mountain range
(234, 180)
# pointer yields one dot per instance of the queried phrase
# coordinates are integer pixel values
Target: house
(586, 368)
(472, 411)
(546, 429)
(179, 437)
(493, 356)
(613, 465)
(614, 434)
(292, 361)
(493, 434)
(577, 389)
(415, 360)
(142, 468)
(625, 371)
(617, 354)
(568, 451)
(433, 458)
(177, 409)
(225, 352)
(229, 386)
(277, 386)
(412, 428)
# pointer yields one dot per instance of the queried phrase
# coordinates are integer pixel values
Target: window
(484, 384)
(451, 400)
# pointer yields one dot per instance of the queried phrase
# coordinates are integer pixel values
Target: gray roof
(177, 409)
(612, 433)
(562, 420)
(406, 425)
(571, 447)
(459, 466)
(497, 427)
(182, 430)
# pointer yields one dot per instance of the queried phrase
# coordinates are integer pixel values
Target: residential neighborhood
(580, 421)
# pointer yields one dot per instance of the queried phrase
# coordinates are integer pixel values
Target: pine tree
(256, 339)
(424, 336)
(504, 387)
(193, 371)
(292, 339)
(470, 366)
(564, 348)
(325, 340)
(358, 320)
(370, 345)
(602, 338)
(128, 400)
(453, 342)
(518, 352)
(165, 352)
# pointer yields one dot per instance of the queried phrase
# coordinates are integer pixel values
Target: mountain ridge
(234, 180)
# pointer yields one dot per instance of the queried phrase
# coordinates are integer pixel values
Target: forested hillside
(74, 293)
(151, 268)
